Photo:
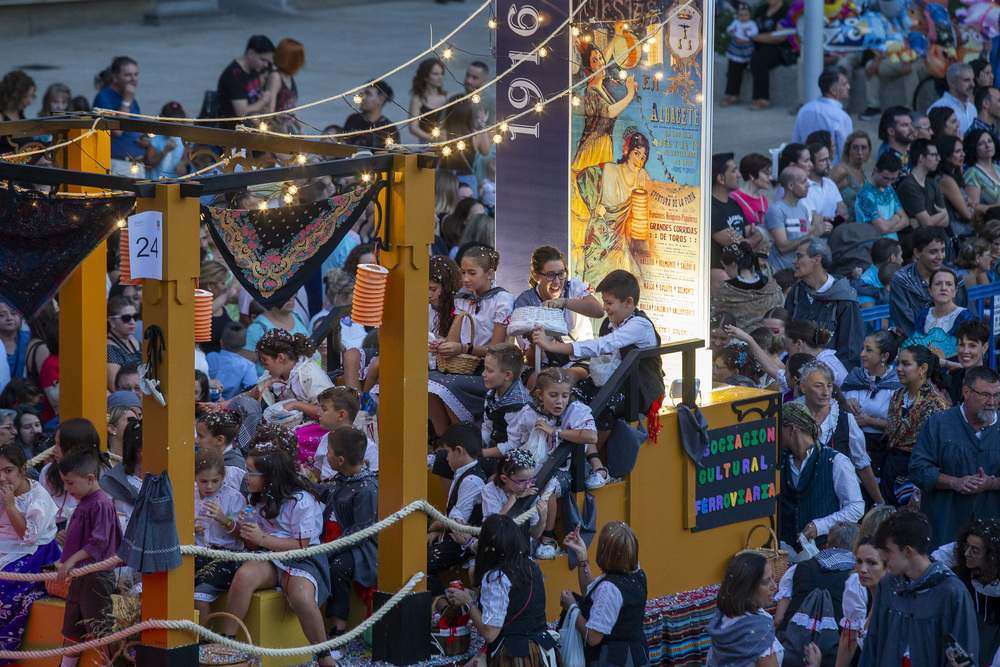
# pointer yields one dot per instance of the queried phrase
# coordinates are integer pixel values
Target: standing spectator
(17, 92)
(868, 390)
(849, 173)
(741, 33)
(918, 192)
(729, 225)
(770, 50)
(241, 92)
(951, 180)
(909, 287)
(15, 343)
(973, 337)
(895, 129)
(789, 220)
(877, 203)
(827, 300)
(961, 84)
(741, 632)
(975, 558)
(987, 102)
(881, 69)
(459, 123)
(756, 172)
(824, 195)
(982, 178)
(127, 148)
(373, 99)
(289, 58)
(944, 123)
(426, 95)
(918, 603)
(957, 456)
(827, 112)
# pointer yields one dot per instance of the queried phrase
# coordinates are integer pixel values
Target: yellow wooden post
(168, 432)
(83, 307)
(402, 550)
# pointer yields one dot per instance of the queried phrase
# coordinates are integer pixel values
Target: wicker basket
(461, 364)
(456, 644)
(215, 655)
(56, 588)
(776, 558)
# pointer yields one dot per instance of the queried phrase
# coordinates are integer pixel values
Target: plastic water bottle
(214, 394)
(249, 514)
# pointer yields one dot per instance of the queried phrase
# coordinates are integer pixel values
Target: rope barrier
(194, 628)
(15, 156)
(293, 554)
(40, 458)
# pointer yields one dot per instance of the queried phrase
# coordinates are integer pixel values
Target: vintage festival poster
(636, 151)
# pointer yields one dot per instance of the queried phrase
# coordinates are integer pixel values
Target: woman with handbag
(614, 604)
(509, 610)
(742, 633)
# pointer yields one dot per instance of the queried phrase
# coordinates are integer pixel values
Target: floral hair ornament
(275, 335)
(222, 418)
(521, 459)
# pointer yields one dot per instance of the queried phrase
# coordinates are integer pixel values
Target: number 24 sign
(145, 240)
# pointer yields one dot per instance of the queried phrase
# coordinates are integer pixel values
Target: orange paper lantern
(125, 266)
(369, 295)
(202, 316)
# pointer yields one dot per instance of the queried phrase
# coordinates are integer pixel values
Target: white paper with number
(145, 245)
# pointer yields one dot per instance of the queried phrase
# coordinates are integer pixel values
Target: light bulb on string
(586, 38)
(301, 158)
(263, 127)
(659, 76)
(475, 98)
(292, 189)
(497, 138)
(366, 177)
(388, 141)
(287, 198)
(542, 52)
(576, 31)
(435, 132)
(645, 47)
(622, 74)
(539, 107)
(446, 151)
(460, 145)
(121, 223)
(357, 99)
(134, 168)
(262, 206)
(492, 23)
(576, 101)
(503, 127)
(447, 53)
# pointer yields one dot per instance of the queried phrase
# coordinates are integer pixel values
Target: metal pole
(812, 49)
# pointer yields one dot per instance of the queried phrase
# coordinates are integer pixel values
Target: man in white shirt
(827, 112)
(961, 83)
(824, 195)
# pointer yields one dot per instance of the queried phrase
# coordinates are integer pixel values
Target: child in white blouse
(514, 479)
(217, 508)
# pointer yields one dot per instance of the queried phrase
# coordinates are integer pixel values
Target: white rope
(32, 462)
(15, 156)
(294, 554)
(194, 628)
(432, 49)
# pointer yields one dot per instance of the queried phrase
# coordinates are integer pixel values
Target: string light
(263, 127)
(460, 145)
(645, 47)
(435, 132)
(357, 99)
(586, 38)
(388, 141)
(121, 223)
(288, 198)
(262, 206)
(301, 158)
(492, 24)
(366, 177)
(542, 52)
(446, 151)
(622, 74)
(576, 101)
(576, 31)
(539, 107)
(292, 189)
(134, 168)
(503, 127)
(475, 98)
(447, 53)
(497, 138)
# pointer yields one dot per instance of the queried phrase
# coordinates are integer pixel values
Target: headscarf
(796, 414)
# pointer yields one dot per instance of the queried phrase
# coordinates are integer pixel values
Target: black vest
(809, 576)
(627, 636)
(813, 498)
(476, 517)
(525, 620)
(498, 418)
(650, 369)
(840, 440)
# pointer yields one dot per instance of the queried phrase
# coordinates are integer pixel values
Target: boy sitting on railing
(624, 329)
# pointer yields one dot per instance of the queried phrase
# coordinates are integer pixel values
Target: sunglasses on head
(126, 319)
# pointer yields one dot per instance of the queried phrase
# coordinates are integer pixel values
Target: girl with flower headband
(293, 382)
(545, 423)
(461, 397)
(285, 514)
(735, 359)
(218, 431)
(514, 479)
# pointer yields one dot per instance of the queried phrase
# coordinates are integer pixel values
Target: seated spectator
(944, 123)
(951, 180)
(958, 97)
(729, 223)
(849, 173)
(877, 203)
(982, 180)
(974, 258)
(748, 294)
(370, 119)
(918, 192)
(868, 285)
(827, 111)
(789, 221)
(240, 88)
(987, 100)
(818, 484)
(827, 300)
(972, 337)
(127, 148)
(895, 129)
(909, 288)
(127, 379)
(735, 359)
(427, 94)
(824, 195)
(935, 325)
(921, 126)
(756, 172)
(166, 157)
(235, 372)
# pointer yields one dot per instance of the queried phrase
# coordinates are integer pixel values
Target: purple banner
(533, 159)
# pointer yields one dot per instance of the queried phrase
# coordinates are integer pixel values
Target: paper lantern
(202, 315)
(369, 295)
(125, 270)
(639, 218)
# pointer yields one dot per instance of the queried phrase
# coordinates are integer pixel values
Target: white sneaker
(546, 551)
(596, 480)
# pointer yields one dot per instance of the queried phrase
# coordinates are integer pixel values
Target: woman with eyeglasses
(123, 347)
(919, 371)
(551, 287)
(975, 558)
(8, 432)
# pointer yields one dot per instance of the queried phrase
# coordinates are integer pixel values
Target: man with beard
(824, 195)
(957, 457)
(895, 129)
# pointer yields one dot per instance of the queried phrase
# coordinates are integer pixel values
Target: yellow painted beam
(403, 358)
(83, 308)
(168, 432)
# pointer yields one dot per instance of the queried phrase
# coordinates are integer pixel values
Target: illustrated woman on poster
(606, 190)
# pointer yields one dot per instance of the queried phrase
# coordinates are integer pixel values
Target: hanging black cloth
(43, 239)
(151, 543)
(273, 252)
